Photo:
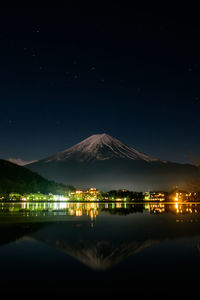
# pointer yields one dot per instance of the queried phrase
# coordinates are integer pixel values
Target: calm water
(110, 248)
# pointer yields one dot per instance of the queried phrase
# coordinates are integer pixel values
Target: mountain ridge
(100, 147)
(107, 163)
(18, 179)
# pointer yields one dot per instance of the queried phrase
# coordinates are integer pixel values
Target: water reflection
(119, 230)
(99, 255)
(93, 209)
(52, 208)
(176, 208)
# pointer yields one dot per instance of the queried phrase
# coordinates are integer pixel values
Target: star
(34, 54)
(10, 122)
(93, 68)
(36, 29)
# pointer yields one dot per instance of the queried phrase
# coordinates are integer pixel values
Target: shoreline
(103, 202)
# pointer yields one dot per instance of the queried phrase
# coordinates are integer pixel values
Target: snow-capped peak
(21, 162)
(100, 147)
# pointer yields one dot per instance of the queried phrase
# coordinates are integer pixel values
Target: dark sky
(67, 72)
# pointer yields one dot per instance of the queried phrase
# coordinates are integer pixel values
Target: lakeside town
(94, 195)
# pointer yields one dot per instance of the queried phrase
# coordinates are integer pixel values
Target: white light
(60, 198)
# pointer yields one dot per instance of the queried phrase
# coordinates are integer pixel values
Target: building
(77, 195)
(89, 195)
(157, 196)
(179, 196)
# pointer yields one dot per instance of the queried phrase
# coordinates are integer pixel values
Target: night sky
(67, 72)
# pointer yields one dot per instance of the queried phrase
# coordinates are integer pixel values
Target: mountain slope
(107, 163)
(20, 162)
(99, 147)
(14, 178)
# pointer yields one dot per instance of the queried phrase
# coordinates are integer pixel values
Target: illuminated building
(194, 196)
(15, 197)
(60, 198)
(77, 195)
(91, 194)
(179, 196)
(118, 199)
(157, 196)
(93, 191)
(146, 196)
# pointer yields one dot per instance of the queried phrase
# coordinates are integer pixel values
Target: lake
(94, 248)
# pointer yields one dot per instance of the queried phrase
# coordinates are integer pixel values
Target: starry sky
(69, 71)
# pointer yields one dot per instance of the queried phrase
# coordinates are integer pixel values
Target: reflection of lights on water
(79, 209)
(174, 208)
(91, 210)
(156, 208)
(178, 208)
(79, 213)
(59, 206)
(91, 215)
(23, 205)
(71, 212)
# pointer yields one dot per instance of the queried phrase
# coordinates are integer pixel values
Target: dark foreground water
(98, 249)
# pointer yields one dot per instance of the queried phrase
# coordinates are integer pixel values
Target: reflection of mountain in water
(13, 232)
(101, 255)
(113, 238)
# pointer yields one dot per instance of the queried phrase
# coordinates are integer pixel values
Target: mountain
(17, 179)
(99, 147)
(107, 163)
(20, 162)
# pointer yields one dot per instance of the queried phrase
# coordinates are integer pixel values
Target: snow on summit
(21, 162)
(100, 147)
